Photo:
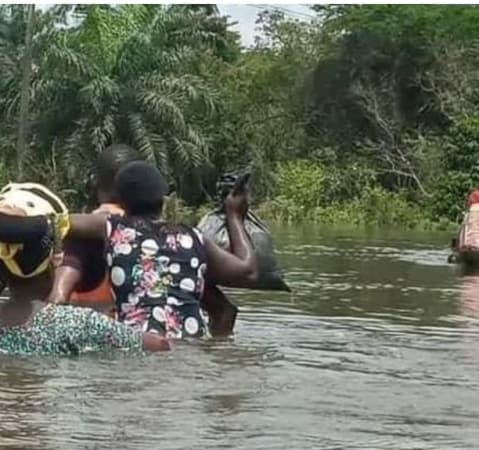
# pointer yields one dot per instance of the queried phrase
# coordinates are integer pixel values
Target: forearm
(66, 279)
(240, 242)
(237, 266)
(18, 229)
(154, 343)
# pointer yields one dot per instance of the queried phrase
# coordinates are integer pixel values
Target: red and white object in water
(469, 234)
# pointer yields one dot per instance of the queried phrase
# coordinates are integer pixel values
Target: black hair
(109, 162)
(140, 188)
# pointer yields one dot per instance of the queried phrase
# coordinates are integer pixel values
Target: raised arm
(91, 226)
(240, 266)
(18, 229)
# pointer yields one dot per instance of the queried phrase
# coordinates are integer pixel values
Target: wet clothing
(68, 330)
(157, 273)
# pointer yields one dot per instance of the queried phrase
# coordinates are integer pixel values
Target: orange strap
(101, 294)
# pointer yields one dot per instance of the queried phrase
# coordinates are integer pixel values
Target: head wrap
(35, 200)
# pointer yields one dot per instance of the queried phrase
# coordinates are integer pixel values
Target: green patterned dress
(68, 330)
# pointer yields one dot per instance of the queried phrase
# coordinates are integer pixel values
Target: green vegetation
(367, 115)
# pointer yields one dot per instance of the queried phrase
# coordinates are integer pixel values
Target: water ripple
(376, 348)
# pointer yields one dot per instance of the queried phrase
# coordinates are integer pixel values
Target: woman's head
(110, 161)
(33, 257)
(140, 188)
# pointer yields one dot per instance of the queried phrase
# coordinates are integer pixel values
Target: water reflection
(469, 295)
(21, 398)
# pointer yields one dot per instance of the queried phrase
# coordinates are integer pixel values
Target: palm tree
(133, 73)
(23, 119)
(142, 85)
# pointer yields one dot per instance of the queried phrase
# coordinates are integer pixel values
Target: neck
(152, 216)
(105, 197)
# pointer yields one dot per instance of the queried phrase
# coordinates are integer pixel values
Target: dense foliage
(366, 114)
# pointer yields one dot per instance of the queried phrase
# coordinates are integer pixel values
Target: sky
(245, 15)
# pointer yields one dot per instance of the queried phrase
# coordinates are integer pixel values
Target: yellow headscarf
(35, 200)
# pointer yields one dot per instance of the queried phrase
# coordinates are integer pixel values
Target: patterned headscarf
(35, 200)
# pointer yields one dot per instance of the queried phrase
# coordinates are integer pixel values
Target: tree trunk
(23, 120)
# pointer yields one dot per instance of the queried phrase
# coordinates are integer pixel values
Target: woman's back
(157, 273)
(67, 330)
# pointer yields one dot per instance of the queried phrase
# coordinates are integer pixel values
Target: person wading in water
(28, 324)
(83, 279)
(158, 269)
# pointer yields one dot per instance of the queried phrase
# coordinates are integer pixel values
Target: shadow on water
(377, 348)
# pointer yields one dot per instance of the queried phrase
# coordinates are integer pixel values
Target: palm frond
(100, 93)
(191, 151)
(141, 139)
(61, 58)
(164, 109)
(102, 134)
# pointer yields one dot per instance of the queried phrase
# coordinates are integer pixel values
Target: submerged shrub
(376, 207)
(301, 182)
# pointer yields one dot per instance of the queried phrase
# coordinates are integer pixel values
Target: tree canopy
(371, 96)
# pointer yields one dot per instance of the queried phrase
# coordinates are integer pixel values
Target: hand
(154, 343)
(237, 204)
(57, 300)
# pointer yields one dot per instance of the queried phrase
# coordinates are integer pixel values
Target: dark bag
(213, 226)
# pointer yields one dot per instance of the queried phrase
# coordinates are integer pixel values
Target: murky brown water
(378, 348)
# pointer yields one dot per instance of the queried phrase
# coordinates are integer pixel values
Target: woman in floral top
(157, 273)
(157, 269)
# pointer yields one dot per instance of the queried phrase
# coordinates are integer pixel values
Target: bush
(449, 195)
(283, 209)
(176, 211)
(301, 182)
(461, 170)
(311, 184)
(344, 184)
(382, 208)
(306, 193)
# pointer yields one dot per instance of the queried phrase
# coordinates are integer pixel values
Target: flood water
(377, 348)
